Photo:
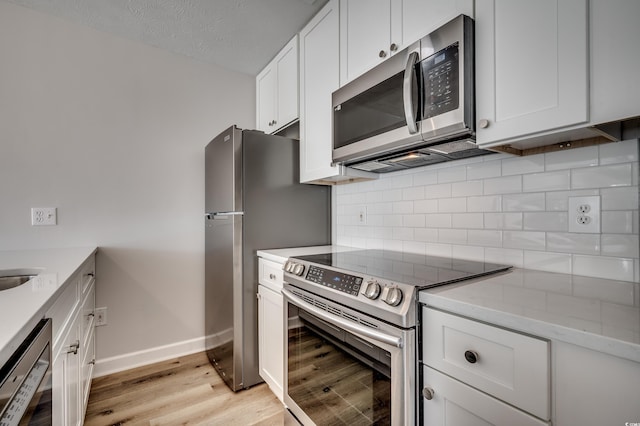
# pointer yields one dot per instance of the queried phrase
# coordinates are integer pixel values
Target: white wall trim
(148, 356)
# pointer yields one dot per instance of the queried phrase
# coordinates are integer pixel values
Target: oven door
(343, 367)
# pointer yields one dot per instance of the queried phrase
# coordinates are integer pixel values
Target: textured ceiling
(241, 35)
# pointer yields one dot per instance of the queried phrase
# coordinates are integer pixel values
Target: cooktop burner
(407, 268)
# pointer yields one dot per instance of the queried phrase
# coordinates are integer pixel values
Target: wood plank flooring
(181, 391)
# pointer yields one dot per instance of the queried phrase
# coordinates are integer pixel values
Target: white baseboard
(119, 363)
(124, 362)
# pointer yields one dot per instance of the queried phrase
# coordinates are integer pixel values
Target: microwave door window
(373, 112)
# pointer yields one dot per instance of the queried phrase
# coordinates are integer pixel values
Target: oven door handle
(346, 324)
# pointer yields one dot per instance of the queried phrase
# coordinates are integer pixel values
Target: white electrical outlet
(584, 214)
(100, 316)
(43, 216)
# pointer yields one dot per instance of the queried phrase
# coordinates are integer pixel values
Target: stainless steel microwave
(416, 108)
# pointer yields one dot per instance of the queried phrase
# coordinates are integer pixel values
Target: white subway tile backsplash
(503, 185)
(502, 256)
(403, 207)
(484, 170)
(526, 240)
(466, 189)
(601, 177)
(413, 221)
(573, 243)
(437, 220)
(619, 152)
(549, 181)
(548, 261)
(487, 238)
(452, 236)
(522, 165)
(490, 203)
(572, 158)
(507, 210)
(437, 191)
(523, 202)
(616, 222)
(619, 198)
(467, 220)
(503, 221)
(619, 245)
(450, 205)
(425, 206)
(604, 267)
(546, 221)
(452, 174)
(559, 200)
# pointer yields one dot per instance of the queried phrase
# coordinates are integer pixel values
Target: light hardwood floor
(181, 391)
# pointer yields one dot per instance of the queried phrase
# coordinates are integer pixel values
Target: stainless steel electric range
(351, 327)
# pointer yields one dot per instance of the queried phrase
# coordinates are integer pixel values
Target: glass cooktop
(407, 268)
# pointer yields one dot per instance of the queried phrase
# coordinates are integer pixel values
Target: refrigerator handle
(221, 215)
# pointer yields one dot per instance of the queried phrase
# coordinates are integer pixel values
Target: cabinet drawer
(270, 274)
(508, 365)
(454, 403)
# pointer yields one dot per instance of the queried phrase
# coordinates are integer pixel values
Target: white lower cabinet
(479, 374)
(73, 347)
(453, 403)
(271, 326)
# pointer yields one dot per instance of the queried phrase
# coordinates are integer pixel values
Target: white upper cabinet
(277, 90)
(531, 67)
(373, 30)
(319, 77)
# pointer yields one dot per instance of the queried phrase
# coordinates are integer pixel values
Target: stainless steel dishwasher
(25, 381)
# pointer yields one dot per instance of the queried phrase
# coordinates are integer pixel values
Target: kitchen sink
(10, 278)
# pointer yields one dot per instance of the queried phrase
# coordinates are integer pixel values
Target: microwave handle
(407, 93)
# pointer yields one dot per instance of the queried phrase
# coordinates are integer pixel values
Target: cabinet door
(365, 36)
(453, 403)
(420, 17)
(66, 378)
(319, 77)
(271, 339)
(531, 67)
(286, 64)
(265, 99)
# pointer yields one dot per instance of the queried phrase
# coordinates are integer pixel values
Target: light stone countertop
(22, 307)
(599, 314)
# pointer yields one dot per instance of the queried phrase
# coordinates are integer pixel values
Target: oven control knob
(298, 269)
(287, 266)
(394, 296)
(373, 290)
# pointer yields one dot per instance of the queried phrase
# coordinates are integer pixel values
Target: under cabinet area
(474, 371)
(73, 346)
(271, 325)
(277, 90)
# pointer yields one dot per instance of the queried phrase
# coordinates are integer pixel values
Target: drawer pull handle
(428, 393)
(73, 349)
(272, 276)
(471, 357)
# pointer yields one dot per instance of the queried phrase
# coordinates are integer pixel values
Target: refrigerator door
(223, 172)
(223, 278)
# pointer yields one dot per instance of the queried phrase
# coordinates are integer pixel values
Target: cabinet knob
(393, 47)
(428, 393)
(471, 357)
(272, 276)
(382, 54)
(483, 123)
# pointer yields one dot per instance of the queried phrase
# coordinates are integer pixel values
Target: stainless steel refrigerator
(253, 201)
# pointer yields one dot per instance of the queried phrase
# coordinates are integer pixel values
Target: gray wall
(112, 133)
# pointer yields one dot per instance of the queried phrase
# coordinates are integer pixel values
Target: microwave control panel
(440, 73)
